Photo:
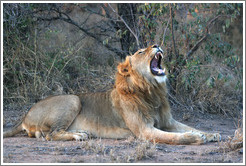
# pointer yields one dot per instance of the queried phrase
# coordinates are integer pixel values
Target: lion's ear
(125, 68)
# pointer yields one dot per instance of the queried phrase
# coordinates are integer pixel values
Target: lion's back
(51, 108)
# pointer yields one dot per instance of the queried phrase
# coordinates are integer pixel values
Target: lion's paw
(216, 137)
(200, 138)
(80, 136)
(194, 138)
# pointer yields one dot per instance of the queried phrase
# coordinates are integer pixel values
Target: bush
(201, 43)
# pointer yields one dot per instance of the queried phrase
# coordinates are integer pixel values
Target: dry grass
(215, 89)
(233, 143)
(142, 150)
(30, 74)
(95, 146)
(236, 142)
(134, 150)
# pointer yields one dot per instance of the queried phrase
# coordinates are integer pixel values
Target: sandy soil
(22, 149)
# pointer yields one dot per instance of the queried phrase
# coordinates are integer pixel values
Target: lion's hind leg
(63, 135)
(60, 132)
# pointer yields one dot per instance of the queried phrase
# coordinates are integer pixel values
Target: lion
(136, 106)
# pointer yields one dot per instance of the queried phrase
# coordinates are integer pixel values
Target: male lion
(137, 105)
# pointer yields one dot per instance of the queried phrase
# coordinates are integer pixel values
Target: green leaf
(220, 76)
(105, 42)
(228, 22)
(194, 14)
(223, 28)
(210, 82)
(183, 80)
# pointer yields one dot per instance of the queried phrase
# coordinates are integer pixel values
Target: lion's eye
(140, 52)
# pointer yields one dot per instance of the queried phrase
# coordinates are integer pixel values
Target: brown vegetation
(48, 55)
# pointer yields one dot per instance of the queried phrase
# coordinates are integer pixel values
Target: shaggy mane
(139, 94)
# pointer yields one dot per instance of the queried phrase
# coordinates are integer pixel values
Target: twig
(51, 67)
(171, 17)
(134, 23)
(164, 35)
(125, 24)
(36, 59)
(196, 46)
(215, 18)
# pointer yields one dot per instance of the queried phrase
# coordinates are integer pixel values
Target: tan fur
(137, 105)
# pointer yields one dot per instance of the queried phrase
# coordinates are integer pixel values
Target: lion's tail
(15, 130)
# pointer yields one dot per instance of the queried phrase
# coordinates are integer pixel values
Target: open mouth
(155, 65)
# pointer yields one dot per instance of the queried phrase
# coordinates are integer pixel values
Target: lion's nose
(155, 46)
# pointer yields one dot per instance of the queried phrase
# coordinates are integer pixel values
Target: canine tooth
(156, 56)
(164, 70)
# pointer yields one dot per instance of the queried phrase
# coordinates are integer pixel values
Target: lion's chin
(161, 79)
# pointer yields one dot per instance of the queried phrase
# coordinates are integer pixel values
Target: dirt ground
(22, 149)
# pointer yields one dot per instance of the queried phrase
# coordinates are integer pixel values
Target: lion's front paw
(215, 137)
(194, 138)
(200, 138)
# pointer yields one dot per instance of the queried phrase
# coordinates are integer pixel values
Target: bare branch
(64, 17)
(164, 35)
(125, 25)
(171, 17)
(197, 45)
(134, 22)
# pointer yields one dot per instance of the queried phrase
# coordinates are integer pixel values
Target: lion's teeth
(160, 71)
(156, 57)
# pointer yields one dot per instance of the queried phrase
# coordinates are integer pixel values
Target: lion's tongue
(159, 71)
(154, 66)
